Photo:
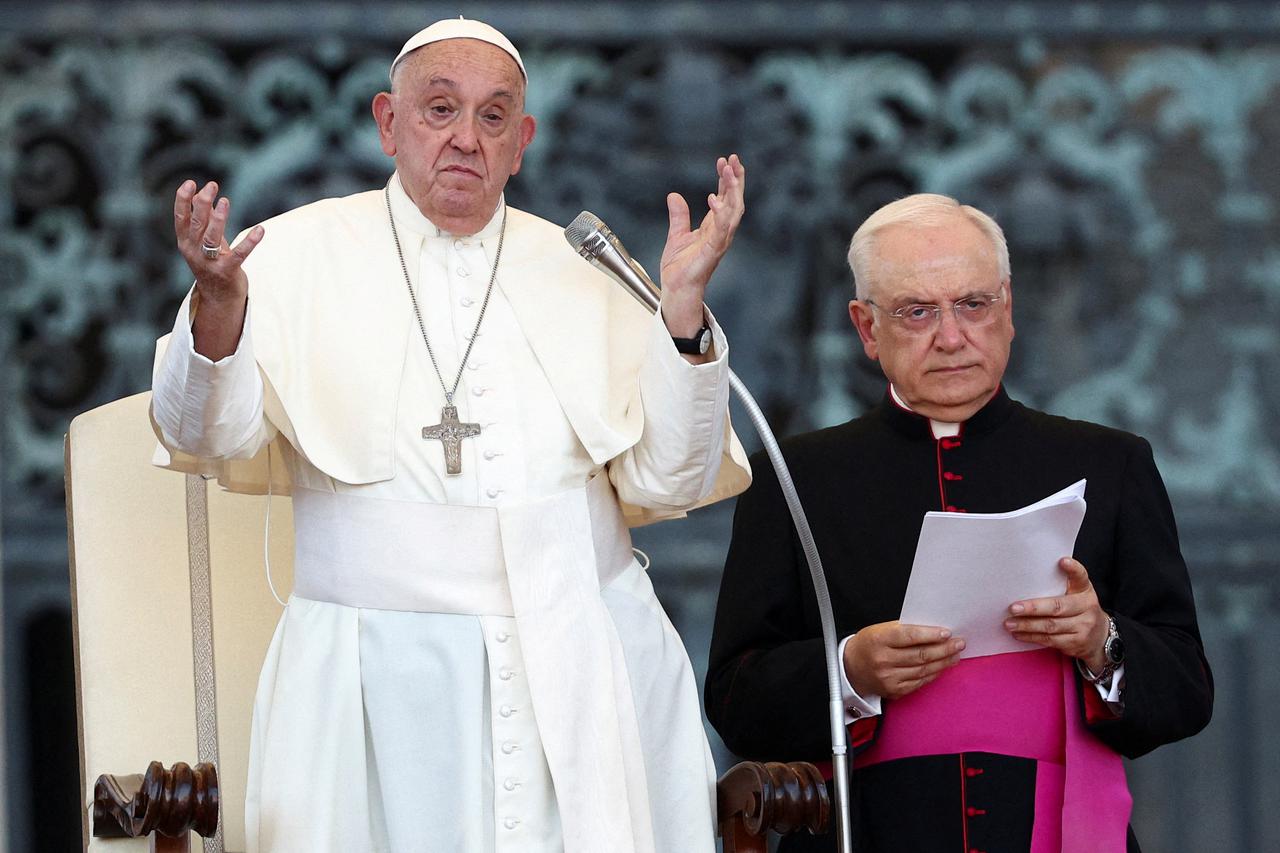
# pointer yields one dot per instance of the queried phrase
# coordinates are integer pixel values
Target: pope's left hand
(1074, 623)
(691, 256)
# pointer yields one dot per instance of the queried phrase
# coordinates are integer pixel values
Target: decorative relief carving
(1138, 188)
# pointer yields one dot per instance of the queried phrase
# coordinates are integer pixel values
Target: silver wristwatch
(1113, 650)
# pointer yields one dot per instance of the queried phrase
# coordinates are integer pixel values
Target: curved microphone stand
(593, 240)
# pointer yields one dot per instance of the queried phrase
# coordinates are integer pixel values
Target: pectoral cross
(450, 432)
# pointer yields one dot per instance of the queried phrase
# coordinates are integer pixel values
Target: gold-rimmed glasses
(976, 309)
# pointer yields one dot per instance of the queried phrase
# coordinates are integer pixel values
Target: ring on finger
(210, 252)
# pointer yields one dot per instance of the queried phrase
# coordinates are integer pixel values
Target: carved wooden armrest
(754, 798)
(169, 802)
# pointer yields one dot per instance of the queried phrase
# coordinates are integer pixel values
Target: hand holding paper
(891, 659)
(1073, 623)
(969, 567)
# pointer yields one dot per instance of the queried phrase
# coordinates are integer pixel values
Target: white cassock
(473, 662)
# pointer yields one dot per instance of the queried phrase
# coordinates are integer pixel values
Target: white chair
(137, 655)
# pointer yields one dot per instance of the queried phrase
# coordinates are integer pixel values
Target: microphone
(592, 239)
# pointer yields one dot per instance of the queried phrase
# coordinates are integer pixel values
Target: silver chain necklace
(450, 431)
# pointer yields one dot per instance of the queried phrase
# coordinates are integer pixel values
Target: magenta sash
(1023, 704)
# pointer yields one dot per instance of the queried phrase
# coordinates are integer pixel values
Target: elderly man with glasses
(1009, 752)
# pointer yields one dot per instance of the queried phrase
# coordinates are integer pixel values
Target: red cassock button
(973, 771)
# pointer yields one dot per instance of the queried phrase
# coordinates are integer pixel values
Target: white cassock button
(466, 302)
(478, 392)
(506, 710)
(510, 784)
(475, 365)
(511, 823)
(463, 271)
(457, 244)
(490, 455)
(509, 747)
(502, 636)
(506, 673)
(493, 493)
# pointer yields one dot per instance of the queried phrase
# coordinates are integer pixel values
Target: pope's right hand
(199, 222)
(890, 659)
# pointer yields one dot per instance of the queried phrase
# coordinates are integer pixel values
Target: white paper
(969, 567)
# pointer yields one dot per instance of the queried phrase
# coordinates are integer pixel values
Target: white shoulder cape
(326, 282)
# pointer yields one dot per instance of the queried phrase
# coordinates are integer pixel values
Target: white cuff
(1112, 689)
(206, 408)
(855, 707)
(719, 350)
(686, 407)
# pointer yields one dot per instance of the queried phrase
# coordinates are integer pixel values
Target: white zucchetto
(459, 28)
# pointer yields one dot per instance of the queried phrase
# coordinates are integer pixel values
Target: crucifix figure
(450, 432)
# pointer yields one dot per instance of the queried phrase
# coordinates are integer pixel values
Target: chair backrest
(131, 609)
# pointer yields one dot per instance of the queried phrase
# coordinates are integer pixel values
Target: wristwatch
(1113, 646)
(697, 345)
(1113, 650)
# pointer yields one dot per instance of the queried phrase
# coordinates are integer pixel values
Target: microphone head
(582, 227)
(592, 240)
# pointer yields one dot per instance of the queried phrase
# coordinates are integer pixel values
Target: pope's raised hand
(691, 255)
(199, 223)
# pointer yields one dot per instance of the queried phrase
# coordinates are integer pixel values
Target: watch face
(704, 341)
(1114, 650)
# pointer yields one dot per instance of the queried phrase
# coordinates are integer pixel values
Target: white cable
(641, 555)
(266, 535)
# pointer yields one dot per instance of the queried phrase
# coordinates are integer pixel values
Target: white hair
(927, 210)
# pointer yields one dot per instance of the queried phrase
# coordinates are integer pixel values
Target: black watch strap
(697, 345)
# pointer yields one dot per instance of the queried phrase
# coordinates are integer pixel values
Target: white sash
(544, 563)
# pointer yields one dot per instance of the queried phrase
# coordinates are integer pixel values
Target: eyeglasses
(976, 309)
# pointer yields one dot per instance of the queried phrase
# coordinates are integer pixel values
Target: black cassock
(866, 486)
